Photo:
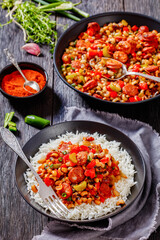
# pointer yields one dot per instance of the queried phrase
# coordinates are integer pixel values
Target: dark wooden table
(18, 221)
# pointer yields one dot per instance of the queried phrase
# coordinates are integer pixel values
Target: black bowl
(72, 33)
(52, 132)
(23, 65)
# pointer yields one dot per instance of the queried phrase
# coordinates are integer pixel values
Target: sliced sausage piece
(130, 89)
(113, 64)
(151, 68)
(120, 56)
(81, 158)
(104, 190)
(124, 46)
(76, 174)
(95, 26)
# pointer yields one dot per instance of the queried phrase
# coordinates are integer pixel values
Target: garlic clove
(32, 48)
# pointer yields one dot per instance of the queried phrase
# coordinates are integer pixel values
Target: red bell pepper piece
(125, 29)
(113, 94)
(66, 157)
(134, 28)
(74, 149)
(83, 148)
(90, 31)
(48, 181)
(143, 85)
(93, 150)
(92, 164)
(90, 173)
(104, 160)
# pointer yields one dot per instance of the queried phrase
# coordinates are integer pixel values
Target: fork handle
(13, 143)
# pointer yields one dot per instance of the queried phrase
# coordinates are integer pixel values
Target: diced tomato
(104, 160)
(90, 31)
(125, 29)
(143, 85)
(134, 28)
(48, 181)
(98, 36)
(92, 164)
(113, 94)
(100, 53)
(91, 40)
(121, 83)
(81, 35)
(143, 29)
(83, 148)
(90, 173)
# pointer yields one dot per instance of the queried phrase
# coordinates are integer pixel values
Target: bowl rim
(112, 214)
(19, 63)
(86, 20)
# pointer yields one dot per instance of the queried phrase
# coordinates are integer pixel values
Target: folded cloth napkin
(140, 219)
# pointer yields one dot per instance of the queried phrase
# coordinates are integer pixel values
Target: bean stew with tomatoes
(136, 47)
(79, 174)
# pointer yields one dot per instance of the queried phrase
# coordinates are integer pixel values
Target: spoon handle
(13, 61)
(12, 142)
(157, 79)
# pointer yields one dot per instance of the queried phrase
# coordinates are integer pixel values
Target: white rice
(88, 211)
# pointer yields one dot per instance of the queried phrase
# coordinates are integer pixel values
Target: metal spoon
(126, 73)
(31, 84)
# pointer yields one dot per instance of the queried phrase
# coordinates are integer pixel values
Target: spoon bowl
(115, 64)
(32, 84)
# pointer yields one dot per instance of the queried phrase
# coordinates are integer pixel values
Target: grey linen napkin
(140, 219)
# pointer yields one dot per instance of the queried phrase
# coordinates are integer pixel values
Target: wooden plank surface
(18, 220)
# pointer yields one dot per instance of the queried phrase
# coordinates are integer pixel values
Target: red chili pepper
(83, 148)
(125, 29)
(104, 160)
(143, 85)
(91, 164)
(113, 94)
(90, 31)
(134, 28)
(48, 181)
(90, 173)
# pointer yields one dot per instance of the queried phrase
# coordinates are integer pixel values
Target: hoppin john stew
(137, 47)
(79, 174)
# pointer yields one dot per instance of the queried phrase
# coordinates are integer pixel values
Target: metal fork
(46, 193)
